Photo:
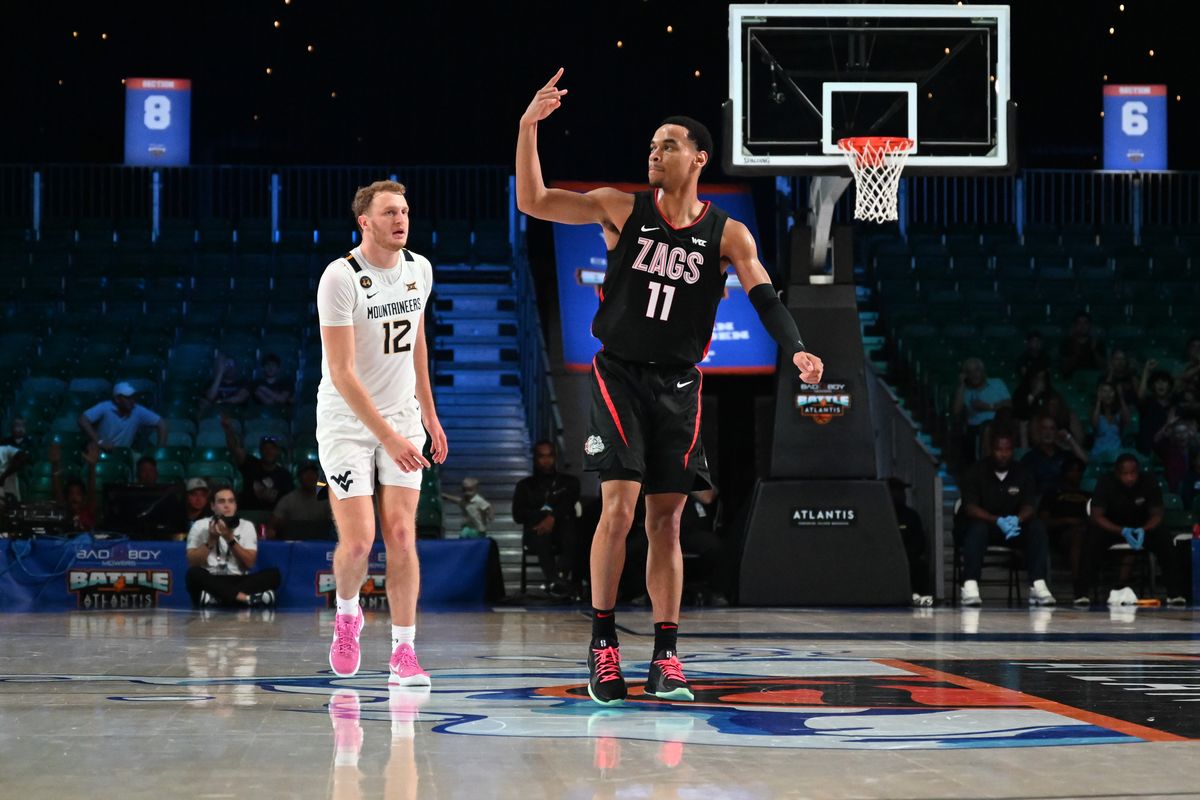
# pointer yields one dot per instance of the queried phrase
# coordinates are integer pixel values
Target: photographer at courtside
(221, 551)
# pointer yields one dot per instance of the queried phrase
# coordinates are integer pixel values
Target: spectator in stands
(1156, 404)
(1127, 507)
(1190, 373)
(1081, 349)
(1188, 383)
(221, 551)
(1110, 416)
(12, 461)
(79, 500)
(912, 532)
(18, 436)
(998, 501)
(1034, 358)
(302, 512)
(228, 390)
(477, 511)
(264, 479)
(1123, 375)
(273, 388)
(1063, 510)
(976, 400)
(545, 505)
(116, 424)
(1175, 444)
(1189, 487)
(700, 537)
(1057, 409)
(1053, 447)
(147, 471)
(195, 504)
(1030, 398)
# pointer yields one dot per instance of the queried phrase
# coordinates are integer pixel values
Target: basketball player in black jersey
(667, 256)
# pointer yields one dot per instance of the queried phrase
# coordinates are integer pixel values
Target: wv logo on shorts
(344, 480)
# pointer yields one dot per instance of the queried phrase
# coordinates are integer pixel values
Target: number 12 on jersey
(668, 295)
(393, 335)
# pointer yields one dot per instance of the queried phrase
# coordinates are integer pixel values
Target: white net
(876, 163)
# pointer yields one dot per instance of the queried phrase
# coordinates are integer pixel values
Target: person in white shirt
(374, 406)
(221, 551)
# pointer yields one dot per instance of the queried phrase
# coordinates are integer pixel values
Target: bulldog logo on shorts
(365, 281)
(593, 446)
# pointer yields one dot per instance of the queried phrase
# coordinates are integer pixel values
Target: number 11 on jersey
(668, 295)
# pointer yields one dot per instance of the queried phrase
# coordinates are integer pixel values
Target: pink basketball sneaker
(345, 654)
(405, 669)
(347, 732)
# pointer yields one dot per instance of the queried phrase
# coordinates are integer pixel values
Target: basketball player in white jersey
(374, 405)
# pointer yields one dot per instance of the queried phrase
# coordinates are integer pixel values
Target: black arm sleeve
(775, 318)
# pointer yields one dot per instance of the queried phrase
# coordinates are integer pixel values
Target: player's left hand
(437, 440)
(811, 368)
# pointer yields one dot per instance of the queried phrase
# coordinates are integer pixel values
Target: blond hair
(365, 194)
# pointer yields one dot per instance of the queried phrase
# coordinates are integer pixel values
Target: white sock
(348, 607)
(403, 634)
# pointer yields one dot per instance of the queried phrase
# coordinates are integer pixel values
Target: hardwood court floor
(936, 703)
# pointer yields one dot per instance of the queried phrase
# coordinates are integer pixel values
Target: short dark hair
(147, 460)
(225, 487)
(698, 134)
(72, 482)
(544, 443)
(1125, 458)
(1161, 375)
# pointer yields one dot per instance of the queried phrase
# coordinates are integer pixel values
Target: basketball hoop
(876, 162)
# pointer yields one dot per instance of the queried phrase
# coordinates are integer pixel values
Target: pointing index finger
(554, 80)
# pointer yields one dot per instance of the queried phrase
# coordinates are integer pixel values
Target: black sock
(664, 638)
(604, 628)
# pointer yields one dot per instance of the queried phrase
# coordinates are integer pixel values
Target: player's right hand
(545, 101)
(406, 454)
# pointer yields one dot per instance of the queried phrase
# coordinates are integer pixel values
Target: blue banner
(739, 343)
(84, 573)
(1135, 127)
(158, 122)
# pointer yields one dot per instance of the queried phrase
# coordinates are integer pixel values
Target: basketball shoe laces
(672, 670)
(406, 659)
(608, 664)
(345, 634)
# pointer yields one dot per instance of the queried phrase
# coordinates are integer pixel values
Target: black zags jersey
(660, 294)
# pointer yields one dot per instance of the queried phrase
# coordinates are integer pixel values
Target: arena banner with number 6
(158, 121)
(1135, 127)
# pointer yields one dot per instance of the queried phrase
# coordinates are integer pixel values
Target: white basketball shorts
(353, 458)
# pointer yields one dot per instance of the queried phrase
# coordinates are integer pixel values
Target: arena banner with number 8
(1135, 127)
(158, 116)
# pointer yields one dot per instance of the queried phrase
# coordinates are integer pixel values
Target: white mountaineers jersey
(385, 307)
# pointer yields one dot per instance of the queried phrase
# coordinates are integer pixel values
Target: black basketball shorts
(645, 425)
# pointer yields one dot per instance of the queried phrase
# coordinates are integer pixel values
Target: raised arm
(606, 206)
(738, 247)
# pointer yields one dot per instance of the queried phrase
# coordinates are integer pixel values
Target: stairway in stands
(478, 394)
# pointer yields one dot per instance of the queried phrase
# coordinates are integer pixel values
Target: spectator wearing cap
(195, 505)
(264, 479)
(302, 509)
(273, 388)
(116, 423)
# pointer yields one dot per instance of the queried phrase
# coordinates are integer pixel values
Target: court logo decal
(747, 697)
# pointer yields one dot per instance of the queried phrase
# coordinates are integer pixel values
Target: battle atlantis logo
(822, 403)
(372, 595)
(111, 588)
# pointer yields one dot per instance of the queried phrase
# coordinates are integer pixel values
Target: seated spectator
(228, 390)
(1034, 358)
(1123, 375)
(976, 401)
(1174, 444)
(221, 551)
(477, 511)
(116, 424)
(1052, 448)
(545, 505)
(12, 461)
(1030, 397)
(1189, 487)
(273, 389)
(147, 471)
(912, 532)
(1155, 404)
(302, 512)
(195, 504)
(1064, 512)
(264, 480)
(1127, 506)
(1081, 349)
(1057, 409)
(1110, 416)
(1189, 374)
(699, 536)
(18, 437)
(80, 500)
(998, 500)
